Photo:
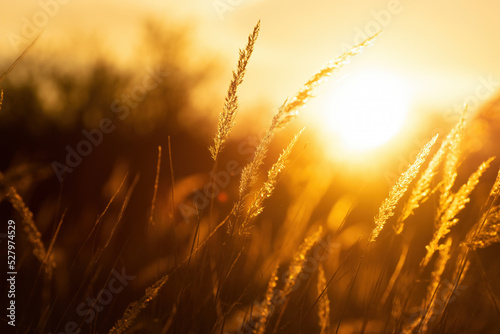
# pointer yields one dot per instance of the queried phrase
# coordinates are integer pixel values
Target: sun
(366, 110)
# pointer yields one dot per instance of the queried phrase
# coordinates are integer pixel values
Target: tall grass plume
(29, 227)
(454, 206)
(324, 302)
(286, 113)
(386, 210)
(422, 190)
(228, 114)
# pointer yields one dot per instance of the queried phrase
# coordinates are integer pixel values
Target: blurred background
(158, 72)
(439, 56)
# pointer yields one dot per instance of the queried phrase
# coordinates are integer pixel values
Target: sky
(447, 51)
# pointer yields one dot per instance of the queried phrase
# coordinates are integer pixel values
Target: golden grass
(495, 190)
(455, 204)
(486, 230)
(279, 297)
(450, 168)
(324, 302)
(386, 210)
(136, 307)
(490, 232)
(267, 304)
(444, 256)
(396, 273)
(267, 188)
(421, 322)
(298, 261)
(291, 108)
(213, 286)
(29, 227)
(228, 114)
(423, 189)
(286, 113)
(119, 219)
(155, 191)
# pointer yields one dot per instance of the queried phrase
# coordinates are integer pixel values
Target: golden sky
(444, 49)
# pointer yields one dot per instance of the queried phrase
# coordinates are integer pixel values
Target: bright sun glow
(367, 109)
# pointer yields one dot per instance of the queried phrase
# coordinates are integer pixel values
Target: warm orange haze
(250, 166)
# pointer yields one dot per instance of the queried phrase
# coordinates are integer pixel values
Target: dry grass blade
(290, 109)
(484, 232)
(172, 187)
(422, 320)
(299, 260)
(490, 231)
(120, 216)
(250, 173)
(294, 270)
(267, 306)
(324, 302)
(18, 59)
(395, 274)
(286, 113)
(495, 190)
(54, 238)
(29, 227)
(228, 114)
(386, 210)
(157, 178)
(268, 187)
(422, 189)
(451, 166)
(457, 203)
(98, 220)
(444, 256)
(134, 308)
(152, 292)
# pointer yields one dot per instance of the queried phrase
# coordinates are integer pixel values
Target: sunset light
(238, 167)
(367, 109)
